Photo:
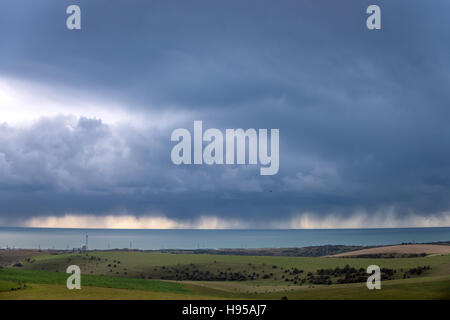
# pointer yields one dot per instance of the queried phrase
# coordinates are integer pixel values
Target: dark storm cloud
(362, 114)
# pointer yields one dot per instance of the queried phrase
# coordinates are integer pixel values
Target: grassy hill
(154, 275)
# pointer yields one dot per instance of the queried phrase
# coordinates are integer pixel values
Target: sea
(103, 239)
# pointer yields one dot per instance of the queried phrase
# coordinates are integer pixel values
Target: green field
(155, 275)
(45, 277)
(136, 263)
(6, 286)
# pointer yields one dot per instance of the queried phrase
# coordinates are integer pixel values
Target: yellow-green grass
(418, 288)
(60, 292)
(9, 257)
(435, 287)
(137, 263)
(424, 288)
(9, 285)
(39, 272)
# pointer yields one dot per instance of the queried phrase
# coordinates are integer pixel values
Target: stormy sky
(86, 115)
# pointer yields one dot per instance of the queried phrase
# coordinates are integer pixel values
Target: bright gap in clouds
(130, 222)
(21, 103)
(303, 221)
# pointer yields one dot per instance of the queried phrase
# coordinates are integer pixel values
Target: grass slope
(60, 292)
(136, 263)
(46, 277)
(419, 288)
(124, 275)
(436, 287)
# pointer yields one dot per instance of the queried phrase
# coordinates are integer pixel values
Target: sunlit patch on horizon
(131, 222)
(386, 219)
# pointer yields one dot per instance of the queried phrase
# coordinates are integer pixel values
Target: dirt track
(403, 249)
